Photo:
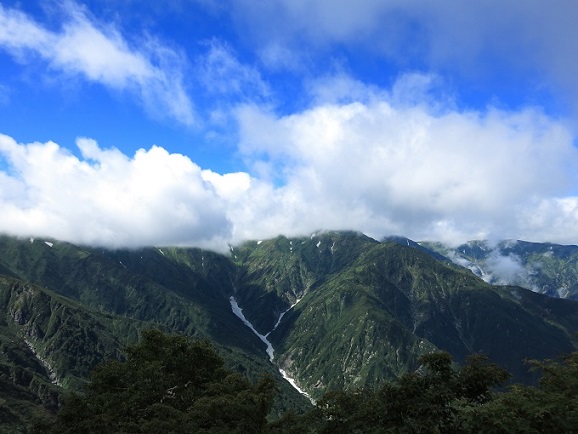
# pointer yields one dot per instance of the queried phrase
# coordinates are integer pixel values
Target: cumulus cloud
(385, 162)
(414, 169)
(99, 53)
(106, 198)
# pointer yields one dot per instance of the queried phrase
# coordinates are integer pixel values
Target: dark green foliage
(427, 401)
(552, 407)
(167, 384)
(443, 398)
(367, 312)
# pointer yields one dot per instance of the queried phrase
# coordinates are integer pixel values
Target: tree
(443, 398)
(551, 407)
(430, 400)
(167, 384)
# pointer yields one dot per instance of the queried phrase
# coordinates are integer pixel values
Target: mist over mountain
(546, 268)
(339, 310)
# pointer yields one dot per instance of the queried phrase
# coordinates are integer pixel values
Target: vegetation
(442, 398)
(384, 305)
(167, 384)
(170, 384)
(367, 312)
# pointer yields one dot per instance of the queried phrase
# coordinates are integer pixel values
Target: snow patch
(282, 315)
(49, 369)
(239, 312)
(562, 292)
(48, 243)
(270, 352)
(294, 384)
(31, 240)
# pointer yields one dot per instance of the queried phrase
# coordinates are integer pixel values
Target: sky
(205, 123)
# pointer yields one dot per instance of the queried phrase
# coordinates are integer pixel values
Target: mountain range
(333, 310)
(546, 268)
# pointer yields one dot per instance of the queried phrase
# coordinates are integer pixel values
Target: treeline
(170, 384)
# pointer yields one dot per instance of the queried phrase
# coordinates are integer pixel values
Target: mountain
(546, 268)
(68, 308)
(367, 310)
(340, 310)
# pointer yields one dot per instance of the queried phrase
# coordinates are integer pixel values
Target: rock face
(340, 310)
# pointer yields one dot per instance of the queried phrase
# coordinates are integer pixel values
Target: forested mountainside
(340, 309)
(367, 310)
(546, 268)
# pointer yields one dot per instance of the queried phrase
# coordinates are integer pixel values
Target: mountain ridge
(355, 311)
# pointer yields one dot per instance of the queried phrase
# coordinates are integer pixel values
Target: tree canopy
(167, 384)
(444, 398)
(170, 384)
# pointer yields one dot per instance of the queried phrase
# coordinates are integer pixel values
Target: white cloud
(99, 53)
(221, 73)
(554, 219)
(107, 198)
(496, 39)
(375, 163)
(506, 269)
(386, 167)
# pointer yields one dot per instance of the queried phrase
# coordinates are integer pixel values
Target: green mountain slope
(275, 273)
(546, 268)
(341, 310)
(366, 314)
(68, 308)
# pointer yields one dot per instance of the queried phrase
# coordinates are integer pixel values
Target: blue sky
(205, 123)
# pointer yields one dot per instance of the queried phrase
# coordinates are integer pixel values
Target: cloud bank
(417, 169)
(107, 198)
(378, 165)
(341, 154)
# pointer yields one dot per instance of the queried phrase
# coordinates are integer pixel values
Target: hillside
(546, 268)
(368, 310)
(68, 308)
(340, 309)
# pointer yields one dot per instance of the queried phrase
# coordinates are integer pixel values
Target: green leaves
(444, 398)
(167, 384)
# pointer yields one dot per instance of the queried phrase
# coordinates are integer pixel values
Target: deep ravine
(270, 351)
